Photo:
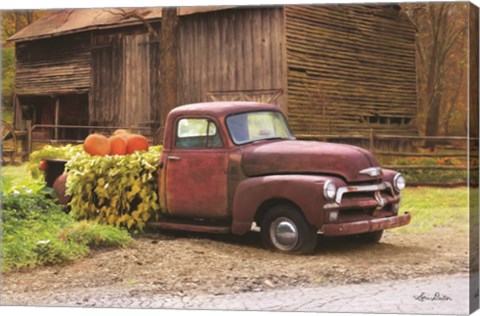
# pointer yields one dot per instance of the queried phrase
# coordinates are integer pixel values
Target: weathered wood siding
(123, 80)
(53, 66)
(137, 84)
(106, 98)
(232, 55)
(350, 68)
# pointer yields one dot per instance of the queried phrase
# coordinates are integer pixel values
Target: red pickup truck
(229, 167)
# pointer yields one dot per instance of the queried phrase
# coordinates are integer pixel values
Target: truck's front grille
(358, 195)
(363, 196)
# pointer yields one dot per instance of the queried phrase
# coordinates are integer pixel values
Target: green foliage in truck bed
(115, 190)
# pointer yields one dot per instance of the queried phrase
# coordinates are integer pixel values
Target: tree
(15, 20)
(12, 22)
(8, 76)
(168, 62)
(441, 56)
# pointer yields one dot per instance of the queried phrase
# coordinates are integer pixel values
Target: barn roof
(68, 21)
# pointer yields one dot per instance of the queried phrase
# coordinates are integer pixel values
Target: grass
(435, 208)
(13, 175)
(53, 237)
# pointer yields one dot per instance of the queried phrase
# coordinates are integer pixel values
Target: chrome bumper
(353, 228)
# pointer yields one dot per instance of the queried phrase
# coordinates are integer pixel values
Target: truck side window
(197, 133)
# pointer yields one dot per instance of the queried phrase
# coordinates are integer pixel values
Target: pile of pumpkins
(122, 142)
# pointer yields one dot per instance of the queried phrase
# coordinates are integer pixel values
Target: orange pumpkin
(122, 132)
(96, 145)
(118, 145)
(136, 142)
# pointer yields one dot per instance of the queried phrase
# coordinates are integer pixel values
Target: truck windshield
(255, 126)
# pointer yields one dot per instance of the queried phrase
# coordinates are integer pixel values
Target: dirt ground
(191, 264)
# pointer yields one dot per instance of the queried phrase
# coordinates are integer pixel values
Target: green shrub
(431, 175)
(27, 200)
(36, 232)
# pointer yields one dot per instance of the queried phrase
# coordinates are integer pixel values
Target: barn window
(384, 120)
(296, 69)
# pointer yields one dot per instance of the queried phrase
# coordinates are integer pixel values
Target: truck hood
(292, 156)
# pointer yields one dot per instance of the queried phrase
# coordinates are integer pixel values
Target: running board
(190, 227)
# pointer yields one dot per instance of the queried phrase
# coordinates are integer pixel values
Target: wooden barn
(333, 69)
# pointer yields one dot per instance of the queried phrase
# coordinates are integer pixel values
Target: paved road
(443, 295)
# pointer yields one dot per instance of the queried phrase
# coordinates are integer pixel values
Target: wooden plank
(57, 116)
(248, 51)
(411, 154)
(414, 167)
(240, 32)
(218, 55)
(229, 41)
(258, 70)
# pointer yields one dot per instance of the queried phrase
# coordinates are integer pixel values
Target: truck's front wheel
(284, 229)
(372, 237)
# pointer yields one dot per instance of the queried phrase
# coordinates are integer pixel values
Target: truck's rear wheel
(284, 229)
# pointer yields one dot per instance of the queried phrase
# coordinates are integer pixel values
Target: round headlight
(329, 190)
(399, 182)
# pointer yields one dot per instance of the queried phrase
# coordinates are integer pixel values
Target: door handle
(173, 158)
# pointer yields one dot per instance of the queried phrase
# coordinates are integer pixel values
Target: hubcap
(283, 233)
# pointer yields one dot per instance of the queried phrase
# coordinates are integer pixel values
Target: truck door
(196, 175)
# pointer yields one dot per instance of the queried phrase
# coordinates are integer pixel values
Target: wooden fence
(384, 147)
(390, 147)
(414, 142)
(30, 139)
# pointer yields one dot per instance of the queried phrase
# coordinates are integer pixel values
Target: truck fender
(305, 191)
